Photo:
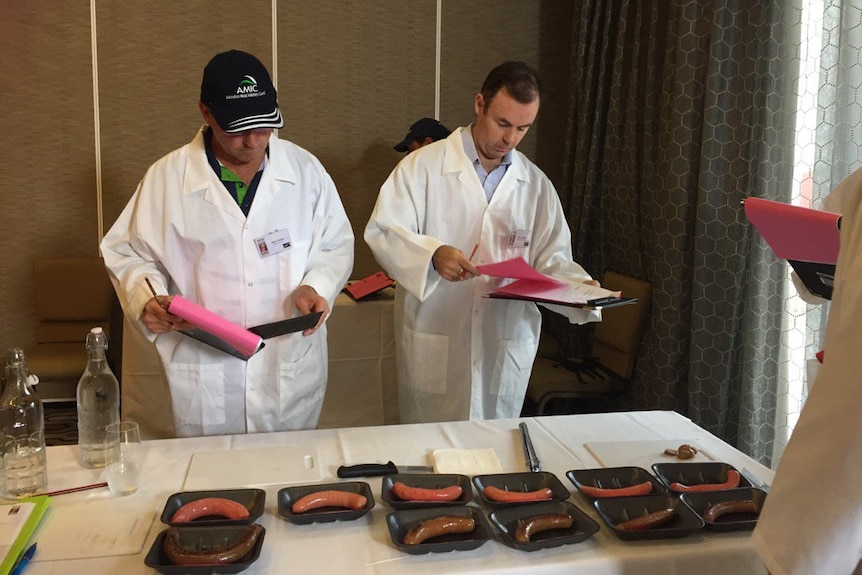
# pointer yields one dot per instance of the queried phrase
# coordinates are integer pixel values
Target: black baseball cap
(421, 129)
(239, 93)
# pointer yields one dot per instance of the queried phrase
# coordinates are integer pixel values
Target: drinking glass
(123, 456)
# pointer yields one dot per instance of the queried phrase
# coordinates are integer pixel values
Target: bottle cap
(96, 330)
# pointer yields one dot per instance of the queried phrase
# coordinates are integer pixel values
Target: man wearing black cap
(422, 133)
(250, 227)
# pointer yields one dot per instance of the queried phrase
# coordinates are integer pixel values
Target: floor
(61, 423)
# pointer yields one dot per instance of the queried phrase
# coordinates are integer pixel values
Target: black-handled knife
(375, 469)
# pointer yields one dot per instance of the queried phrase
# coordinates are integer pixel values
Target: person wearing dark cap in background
(422, 133)
(250, 227)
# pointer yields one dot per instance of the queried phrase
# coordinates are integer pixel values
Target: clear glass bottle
(98, 402)
(22, 423)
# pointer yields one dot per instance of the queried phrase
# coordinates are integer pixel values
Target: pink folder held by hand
(242, 340)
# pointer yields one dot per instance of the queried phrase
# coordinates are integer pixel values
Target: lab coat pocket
(426, 361)
(197, 396)
(511, 374)
(301, 387)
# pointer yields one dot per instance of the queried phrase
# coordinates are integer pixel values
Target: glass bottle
(98, 402)
(22, 423)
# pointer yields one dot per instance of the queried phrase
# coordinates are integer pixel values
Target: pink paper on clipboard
(238, 337)
(794, 232)
(517, 268)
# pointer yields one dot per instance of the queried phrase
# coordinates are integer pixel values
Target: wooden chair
(600, 377)
(72, 296)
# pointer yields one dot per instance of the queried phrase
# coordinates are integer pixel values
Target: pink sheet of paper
(516, 268)
(240, 338)
(794, 232)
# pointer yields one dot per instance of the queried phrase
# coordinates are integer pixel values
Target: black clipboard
(265, 331)
(599, 304)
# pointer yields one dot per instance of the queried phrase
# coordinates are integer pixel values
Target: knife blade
(375, 469)
(532, 460)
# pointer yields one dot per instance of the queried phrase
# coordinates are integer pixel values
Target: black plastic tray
(507, 520)
(614, 478)
(288, 495)
(426, 481)
(253, 499)
(524, 481)
(695, 473)
(701, 502)
(401, 522)
(210, 536)
(615, 510)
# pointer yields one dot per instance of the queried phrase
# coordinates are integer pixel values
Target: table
(364, 546)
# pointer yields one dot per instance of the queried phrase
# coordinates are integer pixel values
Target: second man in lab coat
(466, 200)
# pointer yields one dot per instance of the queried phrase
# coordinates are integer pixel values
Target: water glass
(123, 457)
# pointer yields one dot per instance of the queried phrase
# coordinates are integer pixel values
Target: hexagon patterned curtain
(680, 109)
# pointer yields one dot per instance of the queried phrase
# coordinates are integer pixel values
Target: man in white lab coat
(812, 519)
(251, 228)
(470, 199)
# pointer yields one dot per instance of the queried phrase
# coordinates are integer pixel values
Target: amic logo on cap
(247, 89)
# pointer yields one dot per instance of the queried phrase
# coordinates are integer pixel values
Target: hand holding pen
(452, 265)
(156, 316)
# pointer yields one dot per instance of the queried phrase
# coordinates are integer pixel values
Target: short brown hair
(519, 79)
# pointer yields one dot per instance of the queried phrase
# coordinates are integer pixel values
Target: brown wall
(351, 76)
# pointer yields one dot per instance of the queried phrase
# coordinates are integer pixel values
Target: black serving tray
(401, 522)
(288, 495)
(252, 499)
(426, 481)
(615, 510)
(524, 481)
(507, 520)
(614, 478)
(209, 536)
(701, 502)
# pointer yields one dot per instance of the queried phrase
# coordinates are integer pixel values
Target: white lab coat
(184, 232)
(460, 355)
(811, 522)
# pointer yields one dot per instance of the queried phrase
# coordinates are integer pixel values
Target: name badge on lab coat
(272, 243)
(519, 238)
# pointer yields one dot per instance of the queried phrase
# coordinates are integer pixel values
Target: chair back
(618, 335)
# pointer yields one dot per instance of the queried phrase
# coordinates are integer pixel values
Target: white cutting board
(253, 467)
(642, 453)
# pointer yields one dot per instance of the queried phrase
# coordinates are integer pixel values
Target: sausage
(684, 451)
(210, 506)
(532, 525)
(723, 508)
(439, 526)
(647, 521)
(329, 498)
(178, 555)
(731, 483)
(503, 496)
(408, 493)
(598, 492)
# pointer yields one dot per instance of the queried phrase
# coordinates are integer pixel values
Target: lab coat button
(250, 284)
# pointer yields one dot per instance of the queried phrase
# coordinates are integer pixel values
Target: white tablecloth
(364, 545)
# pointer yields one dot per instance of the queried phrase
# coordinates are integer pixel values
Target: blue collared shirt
(489, 181)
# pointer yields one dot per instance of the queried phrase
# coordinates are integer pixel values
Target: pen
(24, 560)
(473, 253)
(75, 489)
(153, 291)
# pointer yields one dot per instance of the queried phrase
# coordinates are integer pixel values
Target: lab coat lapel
(515, 176)
(275, 173)
(200, 179)
(457, 162)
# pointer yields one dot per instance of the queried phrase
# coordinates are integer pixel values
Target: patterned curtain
(680, 109)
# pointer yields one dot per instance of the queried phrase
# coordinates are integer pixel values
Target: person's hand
(452, 265)
(158, 320)
(307, 300)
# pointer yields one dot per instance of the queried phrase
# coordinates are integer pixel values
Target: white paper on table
(109, 529)
(253, 467)
(466, 461)
(642, 453)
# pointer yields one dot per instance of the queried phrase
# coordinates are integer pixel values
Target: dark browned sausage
(532, 525)
(439, 526)
(647, 521)
(178, 555)
(725, 507)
